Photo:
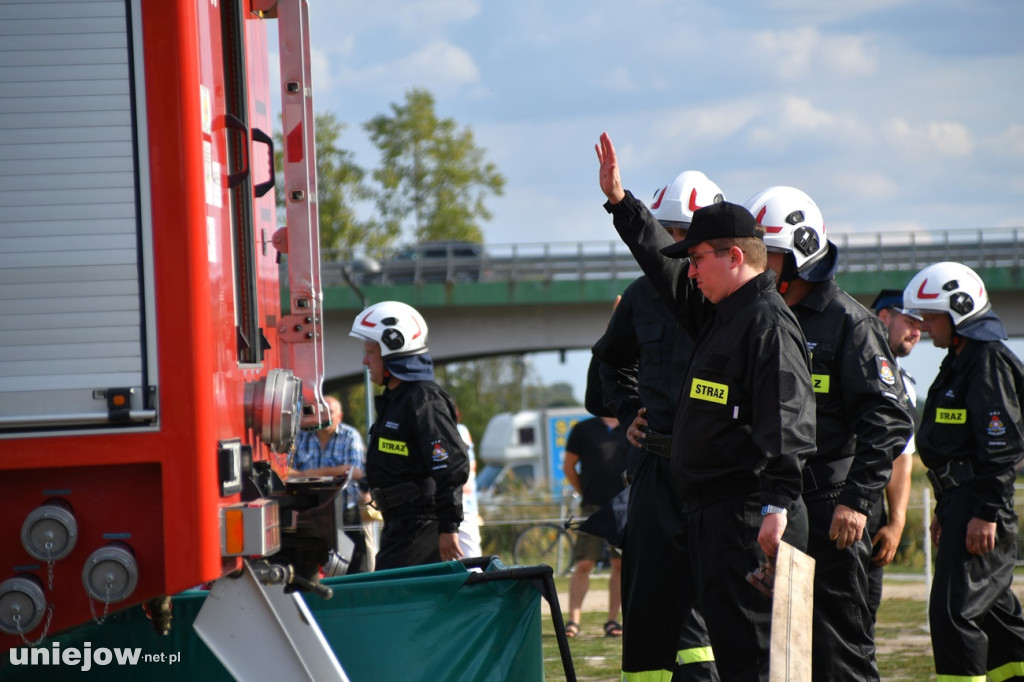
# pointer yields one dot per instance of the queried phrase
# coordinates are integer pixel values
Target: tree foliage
(431, 172)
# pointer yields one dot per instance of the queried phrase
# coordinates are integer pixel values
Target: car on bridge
(431, 262)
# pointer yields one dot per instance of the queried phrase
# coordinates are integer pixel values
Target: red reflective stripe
(657, 202)
(921, 294)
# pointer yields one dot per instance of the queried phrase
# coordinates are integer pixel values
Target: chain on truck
(150, 382)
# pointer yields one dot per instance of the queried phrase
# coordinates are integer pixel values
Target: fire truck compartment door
(75, 263)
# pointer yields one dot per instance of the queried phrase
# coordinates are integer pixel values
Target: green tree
(431, 172)
(341, 186)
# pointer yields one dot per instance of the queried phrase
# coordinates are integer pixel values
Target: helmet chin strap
(788, 274)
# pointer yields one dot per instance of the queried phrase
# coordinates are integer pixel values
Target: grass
(904, 647)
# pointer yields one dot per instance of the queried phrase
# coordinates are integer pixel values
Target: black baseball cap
(718, 221)
(893, 298)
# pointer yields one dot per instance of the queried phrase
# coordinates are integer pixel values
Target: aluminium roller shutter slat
(71, 312)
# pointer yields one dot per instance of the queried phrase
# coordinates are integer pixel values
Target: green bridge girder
(861, 285)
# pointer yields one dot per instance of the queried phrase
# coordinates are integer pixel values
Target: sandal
(613, 629)
(572, 629)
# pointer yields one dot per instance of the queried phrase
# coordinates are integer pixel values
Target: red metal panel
(158, 491)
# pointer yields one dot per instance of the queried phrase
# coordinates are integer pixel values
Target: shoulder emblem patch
(885, 373)
(439, 451)
(995, 424)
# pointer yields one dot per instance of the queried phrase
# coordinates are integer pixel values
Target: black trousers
(876, 520)
(660, 631)
(843, 646)
(722, 544)
(408, 541)
(357, 535)
(976, 620)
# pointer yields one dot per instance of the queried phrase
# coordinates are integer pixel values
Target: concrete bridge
(541, 297)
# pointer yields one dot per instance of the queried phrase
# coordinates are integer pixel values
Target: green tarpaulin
(435, 622)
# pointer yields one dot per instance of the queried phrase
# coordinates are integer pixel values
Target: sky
(894, 115)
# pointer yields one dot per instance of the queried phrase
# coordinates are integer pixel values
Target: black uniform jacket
(973, 413)
(644, 354)
(414, 438)
(862, 421)
(745, 420)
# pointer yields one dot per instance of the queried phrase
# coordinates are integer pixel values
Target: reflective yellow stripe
(648, 676)
(698, 654)
(1005, 672)
(710, 391)
(961, 678)
(947, 416)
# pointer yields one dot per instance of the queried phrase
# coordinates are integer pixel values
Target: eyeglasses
(696, 258)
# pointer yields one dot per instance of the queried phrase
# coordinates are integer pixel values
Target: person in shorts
(599, 447)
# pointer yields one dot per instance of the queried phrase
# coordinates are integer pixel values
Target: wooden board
(792, 612)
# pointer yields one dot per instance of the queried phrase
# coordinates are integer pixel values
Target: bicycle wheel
(544, 543)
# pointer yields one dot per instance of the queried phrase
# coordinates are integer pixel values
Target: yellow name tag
(950, 416)
(394, 447)
(820, 383)
(706, 390)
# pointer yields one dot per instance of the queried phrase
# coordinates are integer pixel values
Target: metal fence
(866, 252)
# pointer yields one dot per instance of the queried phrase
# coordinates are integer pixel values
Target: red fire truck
(150, 382)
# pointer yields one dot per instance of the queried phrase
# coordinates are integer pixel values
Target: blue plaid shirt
(344, 447)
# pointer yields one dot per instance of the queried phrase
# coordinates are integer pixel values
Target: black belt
(392, 497)
(658, 444)
(955, 474)
(826, 475)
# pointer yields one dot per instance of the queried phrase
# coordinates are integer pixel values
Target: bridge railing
(911, 251)
(866, 252)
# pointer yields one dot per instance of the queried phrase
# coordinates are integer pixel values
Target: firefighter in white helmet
(862, 425)
(972, 441)
(643, 357)
(416, 462)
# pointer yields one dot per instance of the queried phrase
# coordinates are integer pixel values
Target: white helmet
(675, 202)
(398, 328)
(792, 224)
(947, 288)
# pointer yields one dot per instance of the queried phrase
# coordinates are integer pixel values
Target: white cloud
(677, 131)
(619, 80)
(320, 67)
(795, 54)
(929, 139)
(949, 139)
(800, 114)
(867, 187)
(407, 17)
(439, 66)
(1009, 143)
(795, 122)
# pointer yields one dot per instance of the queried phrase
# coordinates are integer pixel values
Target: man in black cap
(745, 420)
(887, 519)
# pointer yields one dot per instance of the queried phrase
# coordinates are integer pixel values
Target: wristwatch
(772, 509)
